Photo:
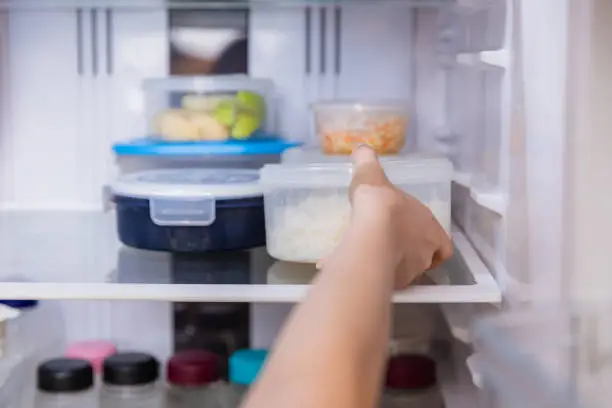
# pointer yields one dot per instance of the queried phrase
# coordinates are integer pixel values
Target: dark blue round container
(192, 210)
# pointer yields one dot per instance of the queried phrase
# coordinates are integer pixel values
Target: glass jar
(244, 367)
(193, 379)
(65, 383)
(130, 381)
(411, 383)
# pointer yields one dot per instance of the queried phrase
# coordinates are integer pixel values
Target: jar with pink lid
(193, 380)
(93, 351)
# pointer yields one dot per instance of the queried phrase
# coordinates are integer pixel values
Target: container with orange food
(342, 125)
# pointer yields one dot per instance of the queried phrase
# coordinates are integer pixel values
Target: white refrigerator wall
(72, 86)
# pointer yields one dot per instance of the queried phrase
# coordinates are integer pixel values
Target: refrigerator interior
(71, 85)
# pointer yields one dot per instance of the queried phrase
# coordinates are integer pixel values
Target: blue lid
(244, 365)
(20, 304)
(156, 147)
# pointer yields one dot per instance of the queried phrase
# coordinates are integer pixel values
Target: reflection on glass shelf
(209, 4)
(76, 255)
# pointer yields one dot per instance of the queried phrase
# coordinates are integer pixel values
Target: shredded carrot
(384, 136)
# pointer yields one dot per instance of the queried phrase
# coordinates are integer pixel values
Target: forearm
(331, 353)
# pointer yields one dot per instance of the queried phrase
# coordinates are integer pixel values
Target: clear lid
(311, 170)
(210, 84)
(189, 184)
(298, 154)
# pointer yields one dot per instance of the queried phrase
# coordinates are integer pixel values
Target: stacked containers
(224, 121)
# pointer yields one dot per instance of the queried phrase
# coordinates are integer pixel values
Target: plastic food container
(341, 126)
(209, 108)
(307, 206)
(194, 210)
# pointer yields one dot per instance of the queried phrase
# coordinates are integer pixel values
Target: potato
(175, 124)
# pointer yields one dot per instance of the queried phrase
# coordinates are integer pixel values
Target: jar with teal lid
(244, 367)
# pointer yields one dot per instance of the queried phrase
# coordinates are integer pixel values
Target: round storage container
(209, 108)
(342, 125)
(192, 210)
(308, 209)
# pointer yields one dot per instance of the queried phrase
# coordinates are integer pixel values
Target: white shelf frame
(485, 289)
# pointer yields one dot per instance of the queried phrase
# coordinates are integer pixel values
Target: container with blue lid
(244, 368)
(190, 210)
(245, 365)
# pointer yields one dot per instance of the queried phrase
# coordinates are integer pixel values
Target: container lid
(65, 375)
(130, 369)
(190, 184)
(302, 155)
(93, 351)
(411, 372)
(399, 170)
(209, 84)
(244, 365)
(193, 368)
(263, 145)
(20, 304)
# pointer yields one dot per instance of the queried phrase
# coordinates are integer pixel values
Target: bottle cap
(193, 367)
(93, 351)
(65, 375)
(411, 372)
(130, 369)
(244, 365)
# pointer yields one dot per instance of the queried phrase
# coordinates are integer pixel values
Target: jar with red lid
(411, 382)
(193, 379)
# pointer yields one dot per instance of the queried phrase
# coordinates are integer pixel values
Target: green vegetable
(225, 113)
(245, 125)
(252, 102)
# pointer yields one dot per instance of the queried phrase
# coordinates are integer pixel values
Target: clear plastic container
(411, 383)
(308, 209)
(291, 273)
(342, 125)
(191, 210)
(244, 367)
(209, 108)
(193, 379)
(130, 381)
(65, 383)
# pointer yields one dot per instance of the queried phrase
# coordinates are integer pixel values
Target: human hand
(418, 241)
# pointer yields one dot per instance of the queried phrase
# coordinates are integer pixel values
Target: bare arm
(331, 352)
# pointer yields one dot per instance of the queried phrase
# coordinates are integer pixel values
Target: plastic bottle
(411, 383)
(26, 340)
(130, 381)
(193, 379)
(244, 366)
(65, 383)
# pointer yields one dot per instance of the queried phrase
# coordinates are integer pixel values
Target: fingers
(363, 154)
(443, 253)
(366, 169)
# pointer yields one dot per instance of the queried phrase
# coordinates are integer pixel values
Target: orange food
(385, 136)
